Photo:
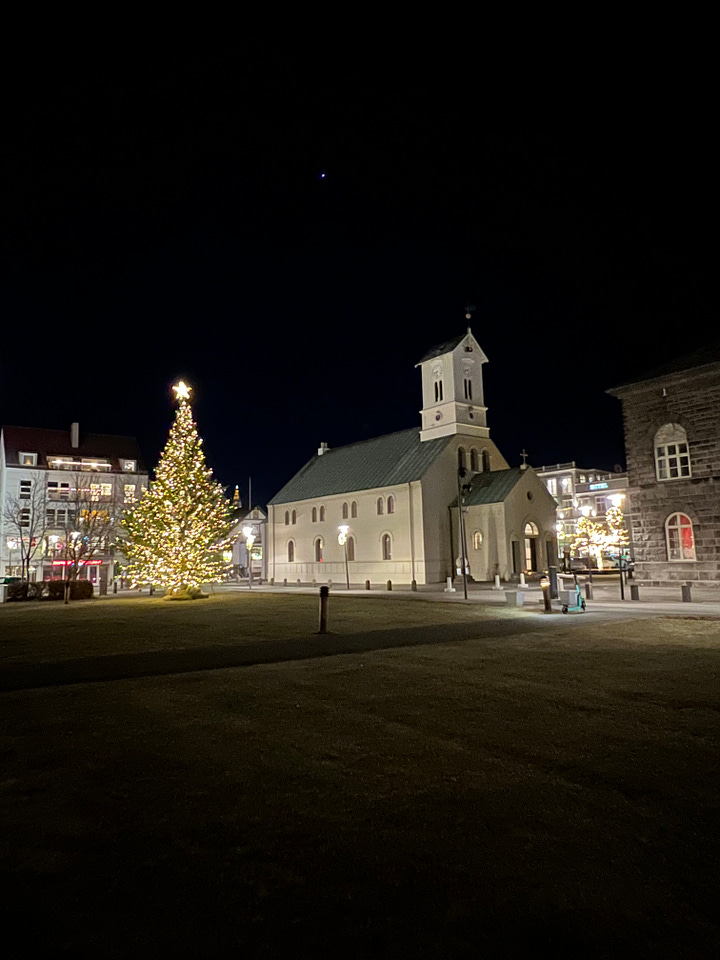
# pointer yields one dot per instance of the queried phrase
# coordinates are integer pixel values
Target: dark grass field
(550, 793)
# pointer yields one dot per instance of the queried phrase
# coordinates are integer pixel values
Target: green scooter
(579, 602)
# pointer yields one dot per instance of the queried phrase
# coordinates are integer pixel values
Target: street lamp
(342, 540)
(249, 540)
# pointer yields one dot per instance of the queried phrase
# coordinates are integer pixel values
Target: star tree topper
(182, 390)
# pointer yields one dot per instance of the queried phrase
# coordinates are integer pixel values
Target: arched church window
(467, 383)
(531, 529)
(318, 550)
(294, 516)
(351, 548)
(477, 539)
(353, 508)
(386, 547)
(391, 504)
(287, 518)
(291, 551)
(438, 391)
(474, 460)
(461, 458)
(322, 513)
(531, 541)
(380, 506)
(672, 454)
(680, 537)
(314, 514)
(345, 511)
(485, 461)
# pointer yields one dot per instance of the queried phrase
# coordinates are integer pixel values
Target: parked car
(7, 580)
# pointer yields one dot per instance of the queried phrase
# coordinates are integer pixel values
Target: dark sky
(166, 217)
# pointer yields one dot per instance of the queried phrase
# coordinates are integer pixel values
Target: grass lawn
(547, 793)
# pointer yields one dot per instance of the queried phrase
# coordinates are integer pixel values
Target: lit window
(672, 455)
(129, 492)
(105, 489)
(386, 547)
(391, 504)
(380, 506)
(551, 485)
(680, 538)
(477, 539)
(353, 508)
(28, 459)
(128, 466)
(531, 530)
(291, 551)
(94, 491)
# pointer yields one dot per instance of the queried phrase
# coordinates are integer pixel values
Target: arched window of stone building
(318, 550)
(380, 506)
(461, 458)
(672, 454)
(351, 548)
(485, 461)
(291, 551)
(287, 518)
(474, 460)
(322, 513)
(477, 539)
(314, 515)
(391, 504)
(680, 537)
(294, 516)
(345, 511)
(353, 508)
(386, 547)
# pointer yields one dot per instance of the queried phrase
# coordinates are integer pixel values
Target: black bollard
(552, 573)
(686, 589)
(324, 593)
(546, 592)
(588, 590)
(634, 591)
(413, 586)
(367, 584)
(389, 584)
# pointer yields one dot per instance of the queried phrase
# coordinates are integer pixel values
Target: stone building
(396, 495)
(672, 439)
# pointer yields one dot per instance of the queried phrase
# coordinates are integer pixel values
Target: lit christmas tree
(175, 535)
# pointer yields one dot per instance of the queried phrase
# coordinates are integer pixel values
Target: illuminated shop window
(680, 538)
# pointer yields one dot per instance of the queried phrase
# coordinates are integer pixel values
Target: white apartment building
(45, 478)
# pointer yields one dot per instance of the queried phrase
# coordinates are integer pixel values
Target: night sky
(291, 233)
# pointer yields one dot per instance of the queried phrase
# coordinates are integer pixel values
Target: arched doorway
(531, 534)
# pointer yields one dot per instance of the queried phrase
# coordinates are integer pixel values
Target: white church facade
(396, 496)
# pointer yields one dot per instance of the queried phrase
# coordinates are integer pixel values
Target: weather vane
(182, 391)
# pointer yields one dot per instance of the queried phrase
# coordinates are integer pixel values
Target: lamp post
(342, 540)
(463, 488)
(249, 540)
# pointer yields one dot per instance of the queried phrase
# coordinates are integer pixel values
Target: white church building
(396, 496)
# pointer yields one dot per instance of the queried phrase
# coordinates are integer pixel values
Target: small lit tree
(174, 537)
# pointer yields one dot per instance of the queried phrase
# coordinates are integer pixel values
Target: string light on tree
(176, 534)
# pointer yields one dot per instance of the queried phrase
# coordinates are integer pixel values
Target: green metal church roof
(381, 462)
(492, 487)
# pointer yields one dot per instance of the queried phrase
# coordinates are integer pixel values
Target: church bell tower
(452, 386)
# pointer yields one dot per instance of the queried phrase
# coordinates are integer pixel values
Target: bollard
(522, 580)
(299, 582)
(367, 584)
(545, 586)
(686, 589)
(588, 590)
(272, 581)
(449, 588)
(329, 583)
(497, 582)
(552, 573)
(115, 587)
(324, 592)
(152, 589)
(413, 586)
(634, 591)
(314, 582)
(389, 584)
(284, 581)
